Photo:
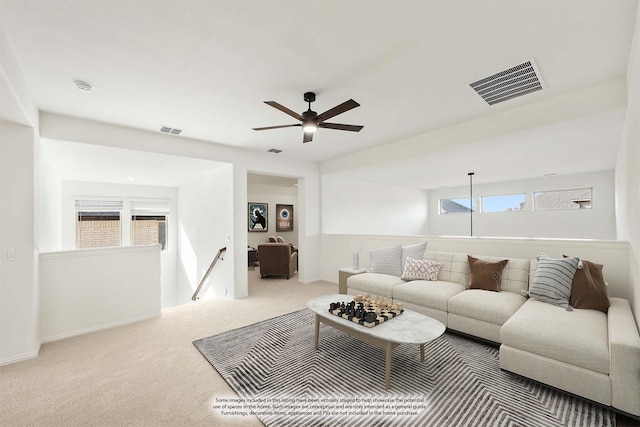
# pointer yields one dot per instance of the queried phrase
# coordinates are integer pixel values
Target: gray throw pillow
(413, 251)
(553, 278)
(386, 260)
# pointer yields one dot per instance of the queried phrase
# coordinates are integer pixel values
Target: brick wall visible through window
(97, 233)
(148, 231)
(100, 222)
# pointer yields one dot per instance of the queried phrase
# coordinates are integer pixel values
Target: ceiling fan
(311, 121)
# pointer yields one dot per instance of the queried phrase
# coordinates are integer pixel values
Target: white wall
(363, 207)
(628, 174)
(19, 336)
(273, 195)
(206, 226)
(596, 223)
(74, 189)
(92, 289)
(49, 196)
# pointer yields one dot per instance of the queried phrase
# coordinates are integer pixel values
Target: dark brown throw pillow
(485, 275)
(588, 289)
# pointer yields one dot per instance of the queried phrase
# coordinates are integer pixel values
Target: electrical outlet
(9, 254)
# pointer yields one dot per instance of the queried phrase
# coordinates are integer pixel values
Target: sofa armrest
(293, 262)
(624, 348)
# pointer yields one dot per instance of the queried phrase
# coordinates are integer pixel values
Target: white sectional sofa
(589, 353)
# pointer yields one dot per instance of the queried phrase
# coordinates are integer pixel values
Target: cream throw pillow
(421, 269)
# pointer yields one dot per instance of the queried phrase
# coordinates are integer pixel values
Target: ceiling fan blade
(284, 109)
(339, 109)
(276, 127)
(338, 126)
(308, 137)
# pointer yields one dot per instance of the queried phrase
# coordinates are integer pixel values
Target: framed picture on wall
(284, 217)
(258, 217)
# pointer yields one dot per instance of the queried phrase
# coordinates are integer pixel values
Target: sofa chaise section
(586, 352)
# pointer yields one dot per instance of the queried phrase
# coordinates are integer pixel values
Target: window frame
(473, 207)
(98, 204)
(524, 194)
(154, 208)
(126, 209)
(580, 208)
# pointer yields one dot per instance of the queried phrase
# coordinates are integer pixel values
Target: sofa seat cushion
(431, 294)
(578, 337)
(374, 283)
(487, 306)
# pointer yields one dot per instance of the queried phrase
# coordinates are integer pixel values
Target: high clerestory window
(453, 206)
(573, 199)
(503, 203)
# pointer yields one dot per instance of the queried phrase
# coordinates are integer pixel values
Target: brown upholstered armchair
(277, 259)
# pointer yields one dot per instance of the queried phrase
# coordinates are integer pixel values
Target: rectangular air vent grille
(508, 84)
(172, 131)
(274, 150)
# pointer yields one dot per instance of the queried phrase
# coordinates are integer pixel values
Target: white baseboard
(20, 357)
(95, 329)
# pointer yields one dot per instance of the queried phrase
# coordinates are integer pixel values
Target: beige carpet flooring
(143, 374)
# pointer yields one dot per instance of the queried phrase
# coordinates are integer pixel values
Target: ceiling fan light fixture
(310, 127)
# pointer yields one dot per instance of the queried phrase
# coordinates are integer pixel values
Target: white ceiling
(207, 66)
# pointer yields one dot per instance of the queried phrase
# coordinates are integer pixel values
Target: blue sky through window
(505, 203)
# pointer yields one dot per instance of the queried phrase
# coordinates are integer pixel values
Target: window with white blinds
(103, 222)
(98, 223)
(149, 222)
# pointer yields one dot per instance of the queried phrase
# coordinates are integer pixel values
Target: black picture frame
(258, 217)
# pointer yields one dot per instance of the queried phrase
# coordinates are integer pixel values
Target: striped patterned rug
(278, 376)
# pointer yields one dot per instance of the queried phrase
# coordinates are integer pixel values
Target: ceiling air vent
(274, 150)
(508, 84)
(172, 131)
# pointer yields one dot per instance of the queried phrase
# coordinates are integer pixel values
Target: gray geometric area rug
(279, 377)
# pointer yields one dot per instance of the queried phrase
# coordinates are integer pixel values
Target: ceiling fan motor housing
(309, 115)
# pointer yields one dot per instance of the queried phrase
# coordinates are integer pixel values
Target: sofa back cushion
(455, 268)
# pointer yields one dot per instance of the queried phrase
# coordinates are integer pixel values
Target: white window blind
(149, 207)
(98, 205)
